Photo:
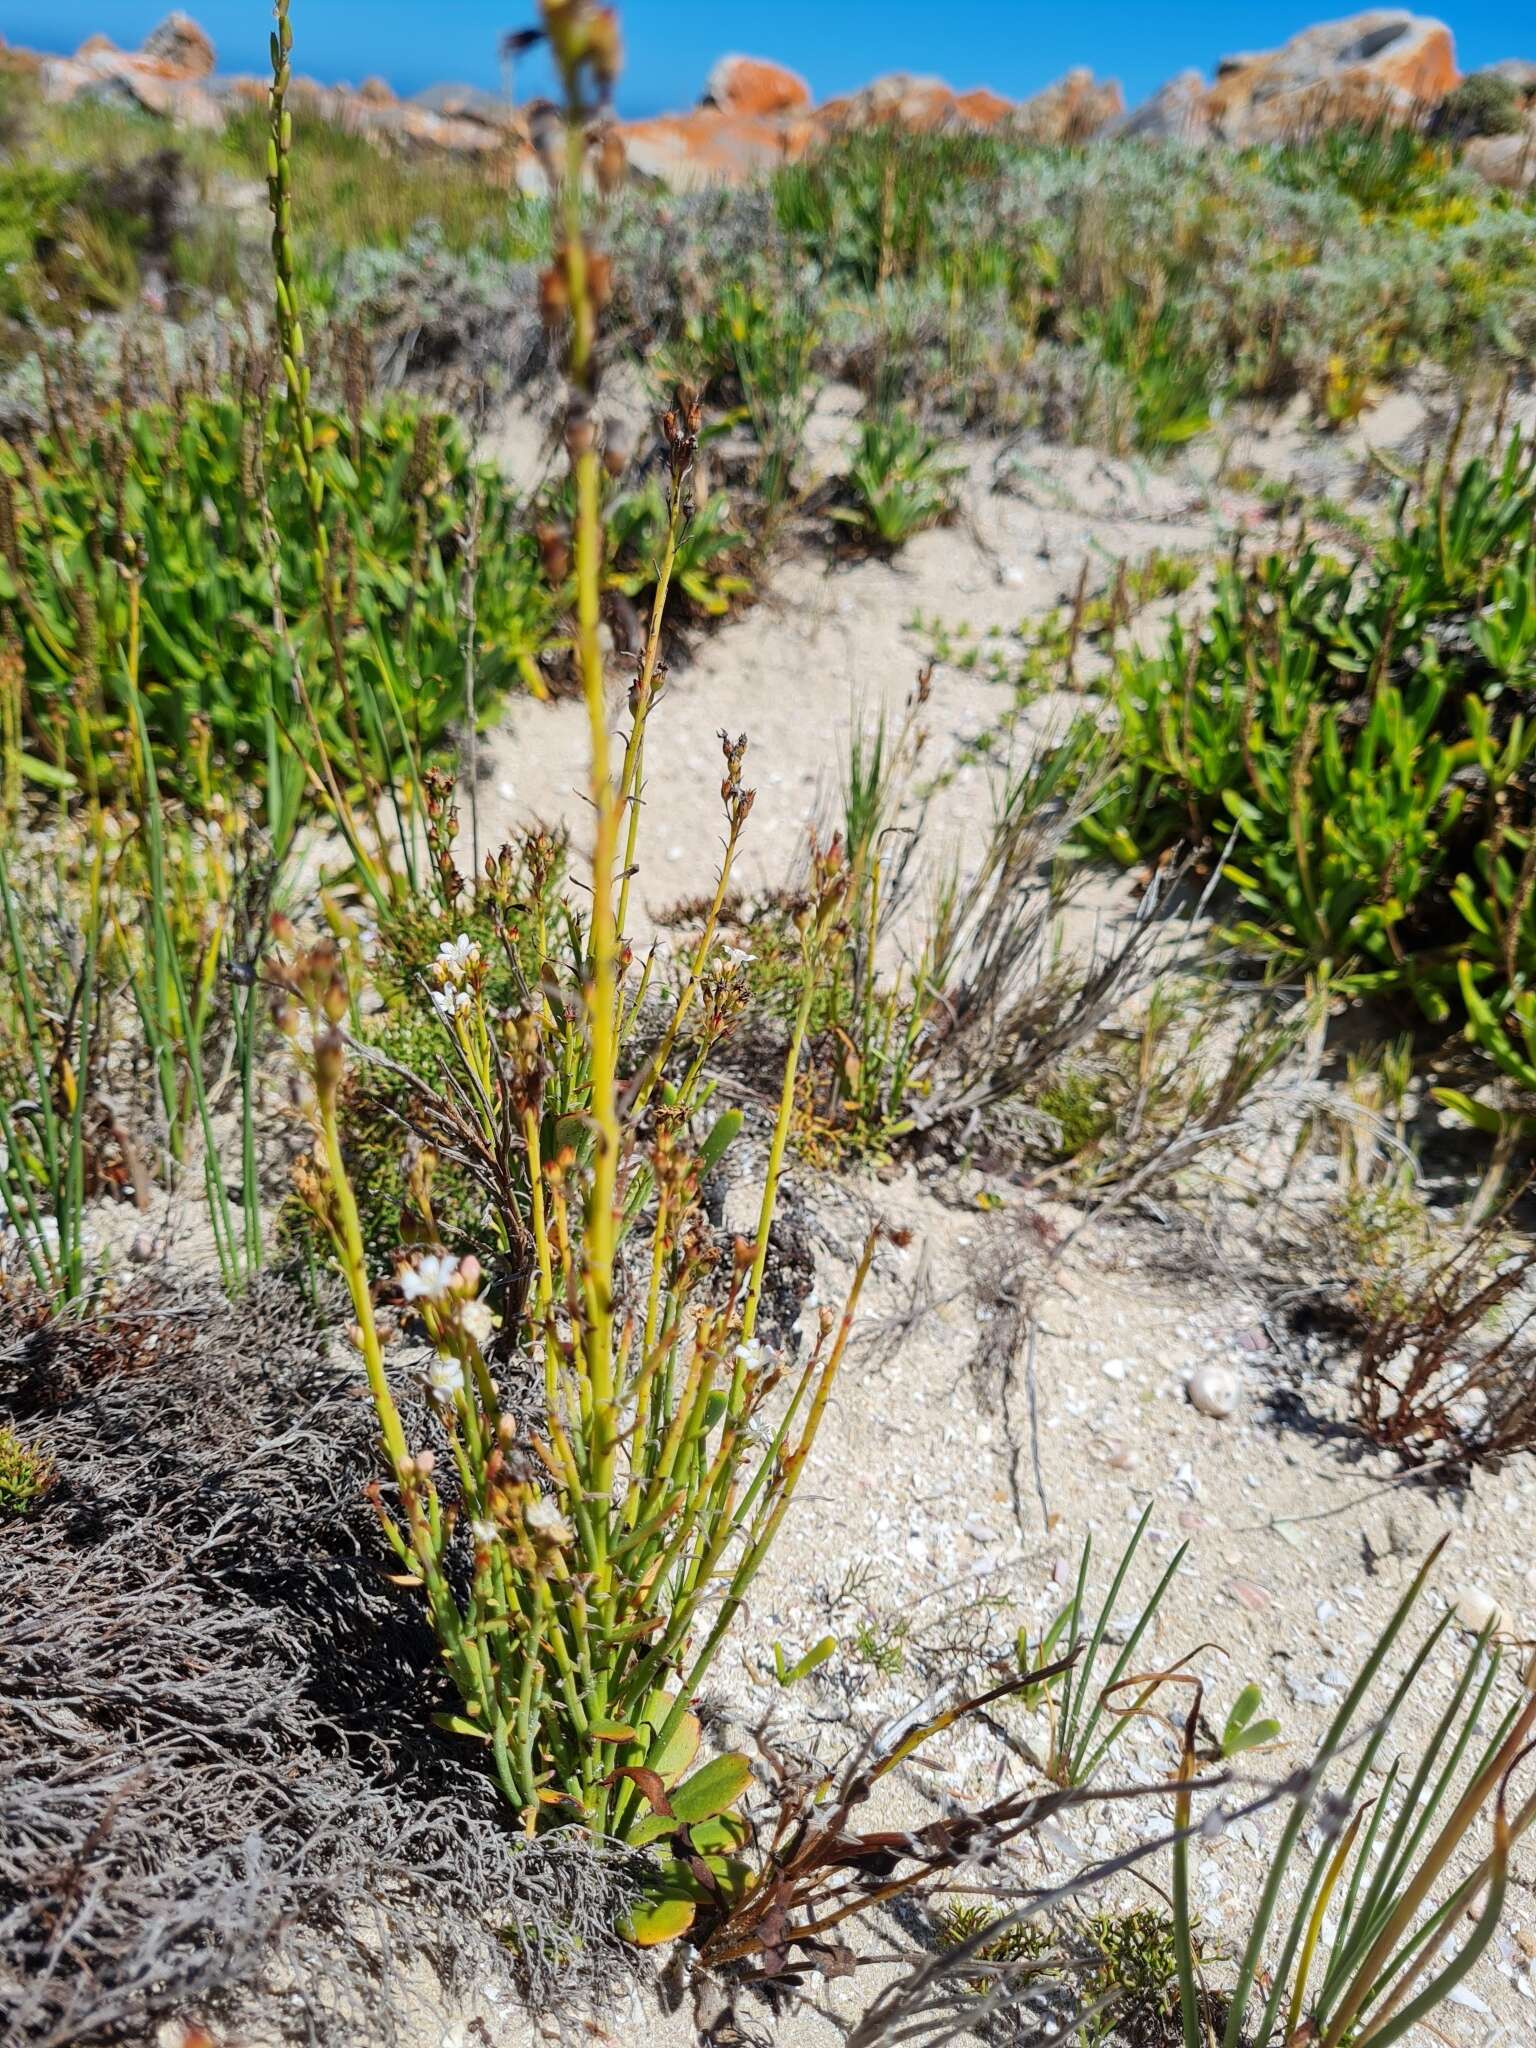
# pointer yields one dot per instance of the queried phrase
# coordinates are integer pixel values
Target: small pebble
(1475, 1609)
(1214, 1390)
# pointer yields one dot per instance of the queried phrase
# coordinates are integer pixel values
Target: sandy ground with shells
(955, 1480)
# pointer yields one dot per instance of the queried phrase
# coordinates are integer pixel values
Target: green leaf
(456, 1724)
(652, 1921)
(712, 1788)
(817, 1654)
(45, 772)
(682, 1744)
(1252, 1737)
(719, 1834)
(722, 1134)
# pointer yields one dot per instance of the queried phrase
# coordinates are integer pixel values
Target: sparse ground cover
(869, 1374)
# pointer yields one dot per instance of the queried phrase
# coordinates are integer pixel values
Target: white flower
(477, 1321)
(445, 1378)
(455, 957)
(736, 956)
(451, 1002)
(430, 1278)
(544, 1519)
(483, 1532)
(750, 1354)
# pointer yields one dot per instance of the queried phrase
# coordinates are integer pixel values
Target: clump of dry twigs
(217, 1787)
(1447, 1364)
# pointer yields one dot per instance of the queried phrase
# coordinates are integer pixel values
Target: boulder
(922, 104)
(1508, 161)
(181, 46)
(1177, 112)
(377, 92)
(1384, 63)
(755, 87)
(1074, 109)
(118, 79)
(707, 147)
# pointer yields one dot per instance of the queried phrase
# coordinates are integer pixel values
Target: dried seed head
(580, 433)
(618, 446)
(330, 1059)
(555, 552)
(554, 296)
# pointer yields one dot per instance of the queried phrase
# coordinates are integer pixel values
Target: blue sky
(1014, 46)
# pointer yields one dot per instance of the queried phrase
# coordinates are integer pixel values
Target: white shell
(1475, 1609)
(1214, 1390)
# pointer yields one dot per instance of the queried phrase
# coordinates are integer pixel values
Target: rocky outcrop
(182, 46)
(756, 114)
(168, 76)
(719, 143)
(1177, 112)
(755, 88)
(707, 147)
(920, 104)
(1386, 63)
(1074, 109)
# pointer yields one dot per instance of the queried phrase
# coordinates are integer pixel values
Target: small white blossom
(430, 1278)
(483, 1532)
(445, 1378)
(451, 1002)
(750, 1354)
(456, 957)
(477, 1321)
(736, 956)
(544, 1519)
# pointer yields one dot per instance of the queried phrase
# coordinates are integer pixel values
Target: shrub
(898, 483)
(177, 513)
(1483, 104)
(1445, 1366)
(1350, 729)
(27, 1475)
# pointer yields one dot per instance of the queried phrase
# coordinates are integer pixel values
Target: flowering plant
(614, 1440)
